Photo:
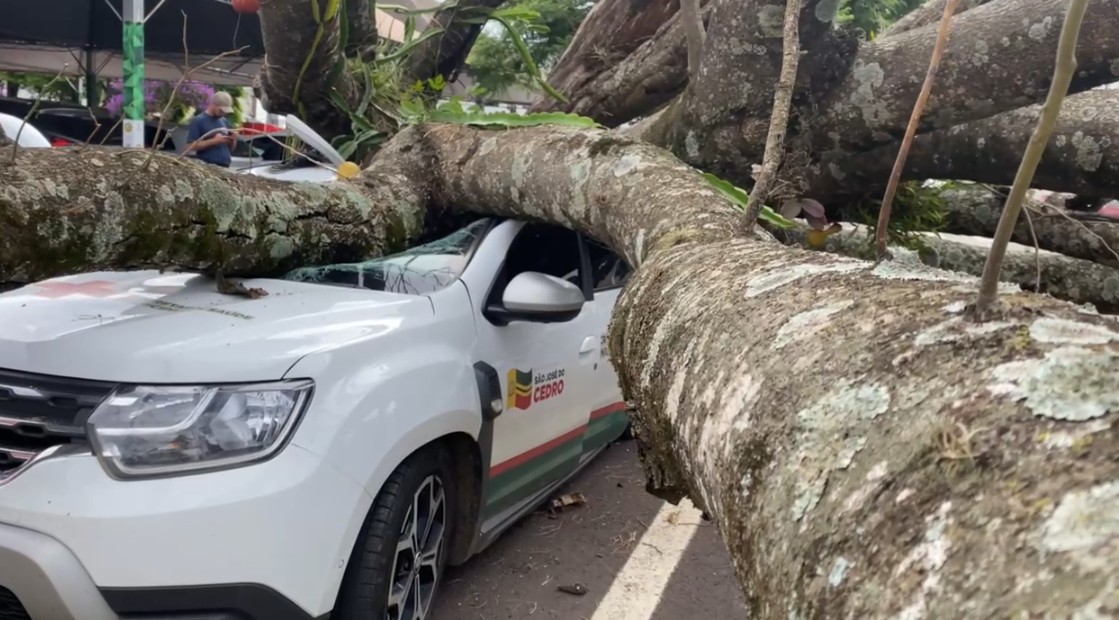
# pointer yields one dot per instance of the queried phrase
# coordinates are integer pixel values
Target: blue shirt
(203, 124)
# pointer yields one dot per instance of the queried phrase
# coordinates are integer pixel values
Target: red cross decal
(93, 288)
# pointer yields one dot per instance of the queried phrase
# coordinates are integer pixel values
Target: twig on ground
(1063, 71)
(778, 119)
(882, 231)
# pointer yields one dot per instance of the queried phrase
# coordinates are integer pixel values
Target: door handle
(590, 344)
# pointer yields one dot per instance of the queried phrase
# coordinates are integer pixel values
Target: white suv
(323, 451)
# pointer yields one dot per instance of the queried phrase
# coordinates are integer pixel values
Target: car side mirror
(538, 297)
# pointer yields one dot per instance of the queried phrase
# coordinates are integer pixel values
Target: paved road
(638, 557)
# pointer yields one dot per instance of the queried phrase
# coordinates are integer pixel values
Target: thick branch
(981, 73)
(594, 71)
(300, 67)
(64, 211)
(1078, 159)
(1072, 279)
(362, 41)
(652, 75)
(976, 210)
(692, 20)
(444, 55)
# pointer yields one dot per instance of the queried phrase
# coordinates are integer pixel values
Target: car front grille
(10, 607)
(39, 412)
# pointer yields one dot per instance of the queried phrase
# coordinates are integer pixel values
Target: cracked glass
(416, 271)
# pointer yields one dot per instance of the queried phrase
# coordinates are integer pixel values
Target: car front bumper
(268, 541)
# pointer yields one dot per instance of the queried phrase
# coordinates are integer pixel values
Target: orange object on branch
(246, 6)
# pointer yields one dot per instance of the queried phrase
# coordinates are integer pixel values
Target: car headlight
(143, 431)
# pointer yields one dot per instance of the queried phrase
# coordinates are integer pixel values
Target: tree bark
(976, 211)
(362, 21)
(611, 31)
(445, 54)
(298, 74)
(65, 210)
(1041, 271)
(1011, 68)
(1078, 159)
(615, 89)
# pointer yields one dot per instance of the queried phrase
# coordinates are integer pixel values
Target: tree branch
(693, 27)
(1063, 71)
(589, 68)
(882, 229)
(779, 117)
(975, 210)
(1076, 159)
(362, 22)
(1071, 279)
(871, 106)
(445, 54)
(300, 67)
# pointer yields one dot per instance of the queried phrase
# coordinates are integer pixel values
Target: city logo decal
(525, 388)
(520, 389)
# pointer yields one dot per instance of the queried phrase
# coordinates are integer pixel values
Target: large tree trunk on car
(865, 451)
(809, 403)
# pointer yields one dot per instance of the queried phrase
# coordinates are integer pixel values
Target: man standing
(209, 136)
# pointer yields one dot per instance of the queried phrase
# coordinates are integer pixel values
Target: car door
(608, 418)
(546, 372)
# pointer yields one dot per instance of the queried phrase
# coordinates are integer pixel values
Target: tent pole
(133, 69)
(91, 98)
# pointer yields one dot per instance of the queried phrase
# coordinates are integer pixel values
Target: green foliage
(384, 93)
(454, 112)
(916, 209)
(739, 197)
(872, 16)
(43, 85)
(534, 34)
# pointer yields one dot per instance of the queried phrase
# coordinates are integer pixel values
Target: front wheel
(402, 550)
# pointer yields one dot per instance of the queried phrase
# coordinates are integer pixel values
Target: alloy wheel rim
(419, 551)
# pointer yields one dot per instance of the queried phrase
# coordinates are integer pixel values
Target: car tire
(383, 581)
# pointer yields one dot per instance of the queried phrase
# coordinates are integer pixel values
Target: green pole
(133, 69)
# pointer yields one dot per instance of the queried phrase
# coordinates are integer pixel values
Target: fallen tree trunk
(819, 408)
(1041, 271)
(975, 210)
(64, 210)
(1078, 158)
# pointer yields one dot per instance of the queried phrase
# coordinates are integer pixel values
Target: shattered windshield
(423, 269)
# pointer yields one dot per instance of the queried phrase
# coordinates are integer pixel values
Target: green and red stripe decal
(513, 478)
(544, 448)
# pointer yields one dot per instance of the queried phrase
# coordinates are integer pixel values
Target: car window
(546, 249)
(543, 248)
(607, 269)
(417, 271)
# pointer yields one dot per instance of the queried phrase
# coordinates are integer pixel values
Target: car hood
(147, 327)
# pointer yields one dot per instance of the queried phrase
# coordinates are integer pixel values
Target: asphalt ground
(634, 556)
